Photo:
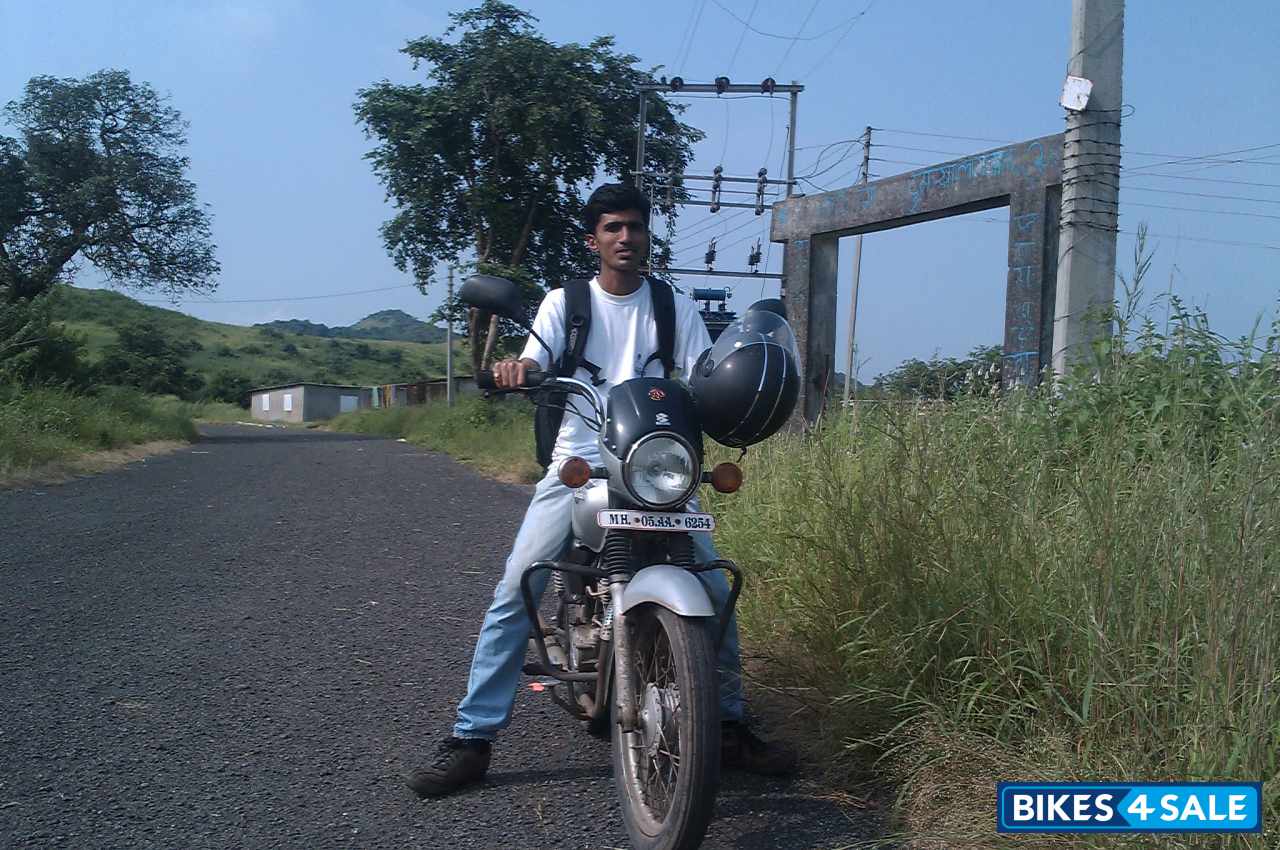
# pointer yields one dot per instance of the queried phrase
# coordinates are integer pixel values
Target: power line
(688, 25)
(1201, 210)
(922, 150)
(275, 300)
(1205, 179)
(803, 24)
(965, 219)
(1128, 151)
(732, 59)
(746, 25)
(839, 40)
(943, 135)
(693, 34)
(687, 239)
(1213, 157)
(780, 37)
(1200, 194)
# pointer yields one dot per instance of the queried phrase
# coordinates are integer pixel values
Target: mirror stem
(543, 343)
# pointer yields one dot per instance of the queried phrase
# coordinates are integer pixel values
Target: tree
(146, 358)
(229, 387)
(97, 174)
(34, 349)
(491, 160)
(944, 378)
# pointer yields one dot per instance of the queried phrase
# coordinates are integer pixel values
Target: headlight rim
(696, 478)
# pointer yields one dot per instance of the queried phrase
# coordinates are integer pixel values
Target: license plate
(647, 521)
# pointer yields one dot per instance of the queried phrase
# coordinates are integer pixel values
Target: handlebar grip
(532, 378)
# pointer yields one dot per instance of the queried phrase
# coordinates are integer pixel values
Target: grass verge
(1084, 587)
(495, 438)
(41, 427)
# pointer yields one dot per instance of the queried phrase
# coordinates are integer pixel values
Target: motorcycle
(631, 648)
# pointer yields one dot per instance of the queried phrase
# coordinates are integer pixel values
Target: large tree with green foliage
(146, 357)
(96, 173)
(490, 161)
(944, 377)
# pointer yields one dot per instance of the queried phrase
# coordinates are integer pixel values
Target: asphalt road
(249, 642)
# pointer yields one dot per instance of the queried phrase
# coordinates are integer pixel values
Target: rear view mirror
(494, 295)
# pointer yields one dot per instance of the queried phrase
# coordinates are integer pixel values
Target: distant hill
(385, 324)
(272, 353)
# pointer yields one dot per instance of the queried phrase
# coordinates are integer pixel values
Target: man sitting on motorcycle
(622, 335)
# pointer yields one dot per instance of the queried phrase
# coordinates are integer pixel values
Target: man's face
(621, 239)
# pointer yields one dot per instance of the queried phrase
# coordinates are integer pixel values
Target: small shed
(306, 402)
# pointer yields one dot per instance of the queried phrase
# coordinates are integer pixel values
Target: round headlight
(661, 471)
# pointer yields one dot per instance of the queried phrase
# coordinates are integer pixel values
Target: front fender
(671, 587)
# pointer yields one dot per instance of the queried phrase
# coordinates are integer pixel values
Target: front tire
(668, 771)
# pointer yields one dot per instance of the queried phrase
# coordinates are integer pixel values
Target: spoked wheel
(668, 770)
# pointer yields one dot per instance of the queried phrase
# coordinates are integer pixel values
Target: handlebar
(532, 378)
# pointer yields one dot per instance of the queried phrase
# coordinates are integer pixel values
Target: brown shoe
(459, 762)
(741, 750)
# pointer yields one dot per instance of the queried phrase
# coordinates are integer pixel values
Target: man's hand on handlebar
(509, 374)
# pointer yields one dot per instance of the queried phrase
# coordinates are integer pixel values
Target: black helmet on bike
(747, 383)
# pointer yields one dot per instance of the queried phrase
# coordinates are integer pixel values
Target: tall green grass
(1079, 586)
(42, 425)
(494, 437)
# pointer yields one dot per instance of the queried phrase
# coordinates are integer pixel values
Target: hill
(385, 324)
(258, 355)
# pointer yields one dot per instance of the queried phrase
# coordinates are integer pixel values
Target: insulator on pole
(710, 258)
(761, 176)
(753, 259)
(718, 173)
(722, 85)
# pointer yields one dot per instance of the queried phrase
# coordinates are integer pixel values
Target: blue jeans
(500, 649)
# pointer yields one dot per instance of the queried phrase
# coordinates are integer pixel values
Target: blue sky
(267, 88)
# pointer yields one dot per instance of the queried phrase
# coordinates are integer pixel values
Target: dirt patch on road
(88, 464)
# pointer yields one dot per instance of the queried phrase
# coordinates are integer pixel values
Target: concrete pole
(791, 142)
(849, 377)
(1090, 183)
(641, 122)
(448, 345)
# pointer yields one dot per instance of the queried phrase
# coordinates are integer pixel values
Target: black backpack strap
(664, 315)
(577, 324)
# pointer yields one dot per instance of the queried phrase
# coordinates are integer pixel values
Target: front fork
(623, 670)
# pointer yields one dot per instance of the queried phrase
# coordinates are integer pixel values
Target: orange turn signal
(575, 472)
(726, 477)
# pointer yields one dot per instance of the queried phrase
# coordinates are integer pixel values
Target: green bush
(34, 350)
(39, 425)
(1071, 586)
(146, 357)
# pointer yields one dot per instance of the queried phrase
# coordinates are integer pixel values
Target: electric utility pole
(849, 379)
(448, 343)
(669, 181)
(1090, 179)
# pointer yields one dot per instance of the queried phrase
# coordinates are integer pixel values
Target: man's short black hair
(612, 198)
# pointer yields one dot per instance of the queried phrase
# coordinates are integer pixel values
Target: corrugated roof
(307, 384)
(354, 386)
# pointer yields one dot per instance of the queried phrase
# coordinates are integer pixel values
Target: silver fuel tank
(587, 502)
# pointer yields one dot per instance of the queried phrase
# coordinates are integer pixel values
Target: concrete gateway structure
(1025, 177)
(306, 402)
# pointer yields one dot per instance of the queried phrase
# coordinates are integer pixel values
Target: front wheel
(668, 770)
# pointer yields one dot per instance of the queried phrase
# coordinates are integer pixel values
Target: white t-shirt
(623, 335)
